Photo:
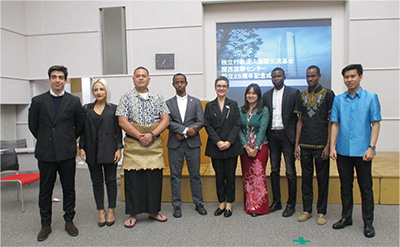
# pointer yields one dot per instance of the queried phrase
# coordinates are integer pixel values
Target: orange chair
(9, 163)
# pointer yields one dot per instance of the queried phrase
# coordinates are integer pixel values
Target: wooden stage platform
(385, 173)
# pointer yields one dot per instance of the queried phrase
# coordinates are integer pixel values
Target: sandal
(158, 217)
(129, 223)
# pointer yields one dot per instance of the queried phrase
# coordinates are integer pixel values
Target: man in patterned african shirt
(143, 115)
(312, 142)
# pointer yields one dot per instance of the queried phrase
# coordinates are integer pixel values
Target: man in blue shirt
(355, 117)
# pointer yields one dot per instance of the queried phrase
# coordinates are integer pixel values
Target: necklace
(98, 109)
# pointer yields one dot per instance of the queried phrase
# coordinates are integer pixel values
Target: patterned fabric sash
(137, 157)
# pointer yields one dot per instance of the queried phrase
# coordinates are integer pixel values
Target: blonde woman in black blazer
(222, 123)
(100, 146)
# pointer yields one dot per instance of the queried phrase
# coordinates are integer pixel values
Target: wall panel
(382, 82)
(374, 43)
(144, 44)
(14, 91)
(374, 9)
(13, 54)
(80, 53)
(12, 16)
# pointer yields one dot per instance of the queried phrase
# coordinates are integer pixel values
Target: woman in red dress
(254, 117)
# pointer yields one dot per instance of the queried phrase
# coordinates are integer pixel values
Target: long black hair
(260, 105)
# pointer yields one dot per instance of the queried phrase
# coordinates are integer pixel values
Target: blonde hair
(105, 84)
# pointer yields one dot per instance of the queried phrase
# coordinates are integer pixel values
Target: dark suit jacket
(55, 133)
(288, 116)
(109, 135)
(193, 117)
(222, 126)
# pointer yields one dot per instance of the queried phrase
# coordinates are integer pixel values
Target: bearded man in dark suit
(186, 120)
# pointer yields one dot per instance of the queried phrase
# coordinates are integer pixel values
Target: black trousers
(48, 174)
(309, 157)
(346, 166)
(97, 176)
(225, 173)
(278, 144)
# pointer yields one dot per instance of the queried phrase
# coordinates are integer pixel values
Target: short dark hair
(358, 67)
(221, 78)
(314, 67)
(141, 67)
(278, 69)
(58, 68)
(260, 104)
(177, 74)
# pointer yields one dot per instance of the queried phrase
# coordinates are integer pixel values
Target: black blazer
(109, 135)
(222, 126)
(56, 134)
(288, 116)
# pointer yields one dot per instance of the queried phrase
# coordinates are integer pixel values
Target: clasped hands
(223, 145)
(251, 152)
(146, 139)
(324, 154)
(190, 132)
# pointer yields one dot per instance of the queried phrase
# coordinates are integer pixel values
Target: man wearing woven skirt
(143, 115)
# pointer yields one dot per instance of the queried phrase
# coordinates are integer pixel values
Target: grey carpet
(21, 229)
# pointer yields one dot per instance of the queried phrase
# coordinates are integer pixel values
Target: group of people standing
(310, 126)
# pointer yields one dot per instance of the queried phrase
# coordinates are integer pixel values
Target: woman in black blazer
(222, 123)
(100, 146)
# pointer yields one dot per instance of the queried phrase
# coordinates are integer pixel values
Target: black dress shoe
(289, 211)
(200, 209)
(177, 212)
(71, 228)
(342, 223)
(254, 215)
(369, 231)
(44, 233)
(219, 211)
(110, 223)
(275, 206)
(228, 213)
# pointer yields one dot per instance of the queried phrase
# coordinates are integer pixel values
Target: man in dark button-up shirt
(312, 142)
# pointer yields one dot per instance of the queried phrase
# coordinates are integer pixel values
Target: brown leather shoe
(71, 228)
(44, 233)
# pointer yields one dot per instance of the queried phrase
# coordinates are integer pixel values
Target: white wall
(14, 82)
(373, 41)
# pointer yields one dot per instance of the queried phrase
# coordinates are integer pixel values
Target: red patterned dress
(253, 135)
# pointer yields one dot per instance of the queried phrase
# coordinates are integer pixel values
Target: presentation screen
(247, 52)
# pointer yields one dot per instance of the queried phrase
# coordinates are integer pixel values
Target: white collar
(55, 95)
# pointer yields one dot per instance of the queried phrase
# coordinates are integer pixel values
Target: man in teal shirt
(355, 117)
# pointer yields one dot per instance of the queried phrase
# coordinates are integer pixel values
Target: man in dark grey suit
(56, 120)
(186, 120)
(281, 132)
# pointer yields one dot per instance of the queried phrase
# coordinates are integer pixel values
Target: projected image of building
(287, 49)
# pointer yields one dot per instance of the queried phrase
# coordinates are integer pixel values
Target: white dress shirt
(277, 122)
(55, 95)
(182, 104)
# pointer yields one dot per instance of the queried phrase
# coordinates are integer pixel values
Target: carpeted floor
(21, 229)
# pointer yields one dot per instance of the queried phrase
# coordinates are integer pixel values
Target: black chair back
(9, 160)
(13, 144)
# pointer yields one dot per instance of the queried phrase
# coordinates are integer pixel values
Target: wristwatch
(372, 146)
(153, 135)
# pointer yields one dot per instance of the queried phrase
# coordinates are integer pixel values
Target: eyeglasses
(221, 86)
